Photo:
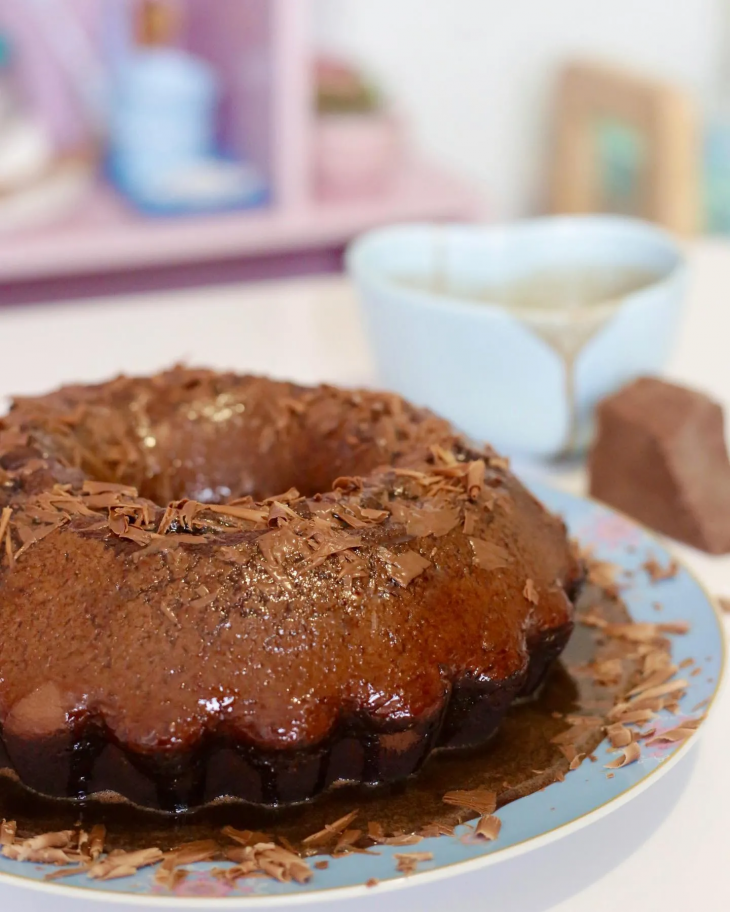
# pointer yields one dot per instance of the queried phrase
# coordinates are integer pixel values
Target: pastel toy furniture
(261, 54)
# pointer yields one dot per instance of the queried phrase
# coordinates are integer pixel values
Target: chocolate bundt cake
(176, 631)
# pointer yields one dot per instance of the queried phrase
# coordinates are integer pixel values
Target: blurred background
(163, 143)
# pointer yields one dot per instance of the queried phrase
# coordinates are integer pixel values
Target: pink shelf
(107, 235)
(262, 50)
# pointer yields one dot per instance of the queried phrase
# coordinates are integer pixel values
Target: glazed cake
(218, 586)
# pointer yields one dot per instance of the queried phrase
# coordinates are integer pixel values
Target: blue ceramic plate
(584, 796)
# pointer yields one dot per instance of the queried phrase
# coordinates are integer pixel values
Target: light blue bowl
(478, 364)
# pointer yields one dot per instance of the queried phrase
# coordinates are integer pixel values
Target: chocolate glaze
(520, 759)
(173, 634)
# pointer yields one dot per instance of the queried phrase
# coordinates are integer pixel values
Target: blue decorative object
(163, 151)
(584, 796)
(525, 378)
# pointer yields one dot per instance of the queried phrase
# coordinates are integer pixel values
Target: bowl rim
(362, 272)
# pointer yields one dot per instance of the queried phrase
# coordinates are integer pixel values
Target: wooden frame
(651, 124)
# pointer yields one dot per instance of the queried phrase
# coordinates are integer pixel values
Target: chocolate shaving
(569, 751)
(58, 840)
(372, 515)
(375, 830)
(8, 829)
(372, 882)
(65, 872)
(662, 690)
(630, 716)
(471, 518)
(347, 840)
(442, 456)
(349, 484)
(657, 573)
(404, 567)
(434, 830)
(479, 800)
(679, 628)
(489, 556)
(530, 592)
(603, 575)
(488, 828)
(30, 535)
(607, 672)
(629, 755)
(618, 735)
(190, 853)
(330, 831)
(48, 848)
(655, 679)
(377, 834)
(475, 479)
(234, 555)
(124, 864)
(280, 513)
(96, 841)
(499, 462)
(137, 535)
(680, 733)
(247, 513)
(107, 487)
(644, 632)
(170, 878)
(288, 497)
(437, 519)
(206, 597)
(334, 543)
(407, 863)
(5, 533)
(245, 838)
(591, 619)
(36, 856)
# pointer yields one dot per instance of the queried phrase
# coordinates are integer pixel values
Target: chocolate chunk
(660, 456)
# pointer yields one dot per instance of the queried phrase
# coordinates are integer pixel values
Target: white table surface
(668, 849)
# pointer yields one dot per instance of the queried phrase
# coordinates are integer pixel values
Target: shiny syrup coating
(177, 629)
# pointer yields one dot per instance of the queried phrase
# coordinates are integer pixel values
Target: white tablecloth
(668, 849)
